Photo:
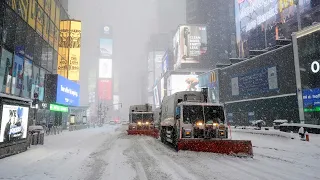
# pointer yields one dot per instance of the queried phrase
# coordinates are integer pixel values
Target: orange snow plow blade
(152, 132)
(229, 147)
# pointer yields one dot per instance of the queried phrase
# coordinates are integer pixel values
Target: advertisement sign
(105, 68)
(106, 47)
(105, 89)
(189, 43)
(180, 82)
(74, 53)
(256, 81)
(36, 81)
(68, 92)
(265, 20)
(27, 78)
(14, 123)
(41, 84)
(5, 71)
(58, 108)
(17, 75)
(210, 80)
(69, 48)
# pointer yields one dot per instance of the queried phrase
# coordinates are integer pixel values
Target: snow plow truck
(141, 121)
(189, 122)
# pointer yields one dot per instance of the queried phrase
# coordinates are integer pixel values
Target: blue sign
(311, 98)
(68, 92)
(258, 81)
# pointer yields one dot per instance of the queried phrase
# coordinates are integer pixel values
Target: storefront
(61, 93)
(306, 47)
(263, 87)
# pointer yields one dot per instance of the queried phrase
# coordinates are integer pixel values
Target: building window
(38, 50)
(5, 71)
(27, 78)
(30, 41)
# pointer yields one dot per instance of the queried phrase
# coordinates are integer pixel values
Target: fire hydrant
(307, 136)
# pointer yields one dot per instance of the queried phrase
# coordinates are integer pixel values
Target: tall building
(219, 18)
(170, 14)
(30, 37)
(259, 26)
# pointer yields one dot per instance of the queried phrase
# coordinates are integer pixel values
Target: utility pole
(298, 14)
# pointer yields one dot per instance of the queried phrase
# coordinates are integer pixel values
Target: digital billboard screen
(189, 43)
(105, 89)
(181, 82)
(260, 22)
(106, 47)
(68, 92)
(14, 123)
(105, 68)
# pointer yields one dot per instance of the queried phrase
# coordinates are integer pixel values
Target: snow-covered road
(108, 153)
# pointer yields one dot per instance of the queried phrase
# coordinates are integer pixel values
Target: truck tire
(163, 135)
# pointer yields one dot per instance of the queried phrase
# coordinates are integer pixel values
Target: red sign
(105, 89)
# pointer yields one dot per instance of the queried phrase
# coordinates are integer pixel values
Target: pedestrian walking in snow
(301, 132)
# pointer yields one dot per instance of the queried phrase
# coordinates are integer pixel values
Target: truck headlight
(139, 123)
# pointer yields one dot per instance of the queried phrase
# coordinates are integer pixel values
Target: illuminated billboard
(69, 48)
(182, 82)
(105, 68)
(105, 89)
(106, 47)
(260, 23)
(14, 123)
(189, 43)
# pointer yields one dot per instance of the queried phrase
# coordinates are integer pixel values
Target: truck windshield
(207, 114)
(143, 117)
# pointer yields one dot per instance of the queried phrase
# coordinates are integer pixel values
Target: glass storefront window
(309, 61)
(35, 81)
(27, 78)
(17, 75)
(41, 84)
(5, 71)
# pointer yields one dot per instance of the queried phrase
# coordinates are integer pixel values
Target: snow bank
(270, 132)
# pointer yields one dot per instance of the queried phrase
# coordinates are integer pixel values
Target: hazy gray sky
(132, 23)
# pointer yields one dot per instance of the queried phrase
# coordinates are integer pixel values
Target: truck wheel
(163, 135)
(174, 139)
